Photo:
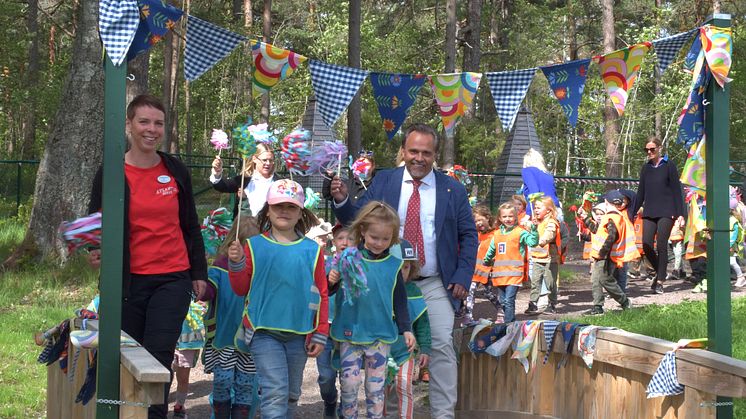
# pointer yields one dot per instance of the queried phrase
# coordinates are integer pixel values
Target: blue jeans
(507, 294)
(620, 274)
(280, 366)
(327, 375)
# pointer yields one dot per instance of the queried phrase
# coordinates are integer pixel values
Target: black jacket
(188, 220)
(355, 188)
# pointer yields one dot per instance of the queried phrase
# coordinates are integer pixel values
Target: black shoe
(532, 309)
(627, 304)
(595, 311)
(657, 288)
(551, 309)
(330, 410)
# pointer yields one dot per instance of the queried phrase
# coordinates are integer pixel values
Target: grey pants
(549, 274)
(603, 279)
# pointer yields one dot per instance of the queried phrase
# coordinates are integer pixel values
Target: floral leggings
(352, 359)
(469, 306)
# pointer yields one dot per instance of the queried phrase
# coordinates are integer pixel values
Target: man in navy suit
(449, 237)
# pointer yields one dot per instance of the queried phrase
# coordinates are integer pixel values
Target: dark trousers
(662, 227)
(153, 315)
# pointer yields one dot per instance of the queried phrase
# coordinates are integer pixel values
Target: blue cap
(404, 250)
(615, 197)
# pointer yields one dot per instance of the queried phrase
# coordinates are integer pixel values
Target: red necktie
(412, 226)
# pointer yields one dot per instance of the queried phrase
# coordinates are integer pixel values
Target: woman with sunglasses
(259, 175)
(660, 195)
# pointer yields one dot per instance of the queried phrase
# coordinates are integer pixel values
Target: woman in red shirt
(163, 251)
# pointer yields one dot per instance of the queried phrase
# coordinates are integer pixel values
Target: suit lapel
(442, 196)
(393, 188)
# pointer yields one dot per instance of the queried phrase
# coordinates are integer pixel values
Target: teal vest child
(283, 296)
(371, 317)
(417, 307)
(223, 317)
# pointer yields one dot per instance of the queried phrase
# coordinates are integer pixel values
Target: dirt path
(575, 298)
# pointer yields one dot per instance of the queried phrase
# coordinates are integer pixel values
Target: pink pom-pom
(219, 139)
(361, 168)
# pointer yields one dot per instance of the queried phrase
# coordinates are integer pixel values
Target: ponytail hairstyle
(374, 212)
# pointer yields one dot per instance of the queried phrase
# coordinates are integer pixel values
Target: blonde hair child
(281, 273)
(484, 221)
(363, 324)
(545, 255)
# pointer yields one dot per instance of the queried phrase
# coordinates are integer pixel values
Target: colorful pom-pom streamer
(82, 232)
(245, 144)
(312, 199)
(261, 135)
(459, 173)
(354, 282)
(361, 169)
(219, 140)
(296, 152)
(215, 228)
(327, 157)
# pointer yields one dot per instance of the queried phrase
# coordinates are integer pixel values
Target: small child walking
(545, 255)
(234, 383)
(400, 392)
(363, 324)
(281, 274)
(191, 340)
(484, 221)
(507, 254)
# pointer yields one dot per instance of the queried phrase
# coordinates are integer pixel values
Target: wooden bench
(141, 383)
(614, 387)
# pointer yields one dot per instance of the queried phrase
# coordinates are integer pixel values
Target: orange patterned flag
(619, 71)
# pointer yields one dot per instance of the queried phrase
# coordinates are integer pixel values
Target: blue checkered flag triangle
(667, 48)
(508, 90)
(665, 382)
(117, 23)
(206, 44)
(335, 86)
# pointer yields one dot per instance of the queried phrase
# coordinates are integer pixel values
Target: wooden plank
(710, 380)
(499, 414)
(693, 408)
(54, 392)
(625, 356)
(131, 391)
(142, 365)
(635, 340)
(713, 360)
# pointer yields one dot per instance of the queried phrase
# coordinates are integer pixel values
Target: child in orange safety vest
(612, 244)
(484, 221)
(545, 256)
(507, 256)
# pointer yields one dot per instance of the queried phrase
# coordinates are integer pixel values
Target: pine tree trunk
(354, 117)
(171, 54)
(267, 34)
(139, 68)
(73, 150)
(31, 81)
(658, 89)
(450, 67)
(188, 140)
(472, 46)
(610, 116)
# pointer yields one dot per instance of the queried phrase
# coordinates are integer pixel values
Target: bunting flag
(454, 94)
(567, 82)
(550, 331)
(117, 25)
(667, 48)
(272, 64)
(335, 86)
(693, 173)
(206, 44)
(619, 71)
(692, 118)
(508, 90)
(156, 19)
(395, 94)
(718, 46)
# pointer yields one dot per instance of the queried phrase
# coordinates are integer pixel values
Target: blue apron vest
(283, 296)
(192, 329)
(371, 318)
(223, 317)
(417, 307)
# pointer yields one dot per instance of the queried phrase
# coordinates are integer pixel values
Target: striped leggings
(400, 393)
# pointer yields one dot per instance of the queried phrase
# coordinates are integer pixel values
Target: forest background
(51, 81)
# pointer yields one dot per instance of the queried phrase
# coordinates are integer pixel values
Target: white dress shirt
(427, 217)
(256, 190)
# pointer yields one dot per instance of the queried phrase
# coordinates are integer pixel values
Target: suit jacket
(455, 231)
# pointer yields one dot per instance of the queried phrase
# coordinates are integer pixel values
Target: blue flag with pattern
(508, 90)
(395, 94)
(206, 44)
(156, 19)
(335, 86)
(567, 81)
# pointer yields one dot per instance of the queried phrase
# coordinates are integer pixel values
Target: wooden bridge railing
(615, 386)
(141, 383)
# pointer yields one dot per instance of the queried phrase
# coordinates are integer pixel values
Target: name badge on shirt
(164, 179)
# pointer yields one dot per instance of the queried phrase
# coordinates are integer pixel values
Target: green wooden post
(717, 126)
(110, 285)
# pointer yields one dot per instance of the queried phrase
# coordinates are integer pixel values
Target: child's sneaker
(532, 309)
(700, 287)
(425, 375)
(595, 311)
(741, 281)
(180, 412)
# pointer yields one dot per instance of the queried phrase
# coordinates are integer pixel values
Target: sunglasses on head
(650, 150)
(365, 153)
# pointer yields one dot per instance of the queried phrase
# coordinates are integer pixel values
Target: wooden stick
(339, 166)
(240, 198)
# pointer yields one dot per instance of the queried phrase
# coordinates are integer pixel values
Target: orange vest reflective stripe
(623, 249)
(543, 252)
(509, 266)
(586, 250)
(482, 271)
(638, 233)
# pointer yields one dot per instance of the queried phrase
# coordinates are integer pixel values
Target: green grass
(687, 320)
(32, 299)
